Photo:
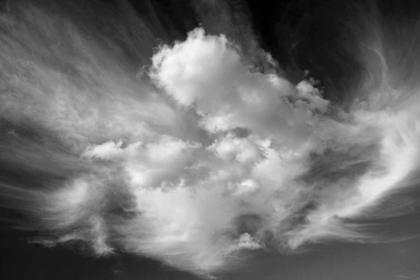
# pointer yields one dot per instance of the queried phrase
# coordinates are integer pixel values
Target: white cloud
(166, 174)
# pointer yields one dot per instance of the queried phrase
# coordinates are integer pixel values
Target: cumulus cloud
(200, 161)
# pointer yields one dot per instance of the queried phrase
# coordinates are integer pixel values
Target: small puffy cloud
(312, 96)
(106, 150)
(241, 149)
(245, 241)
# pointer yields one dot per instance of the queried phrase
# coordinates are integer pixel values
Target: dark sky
(301, 35)
(334, 261)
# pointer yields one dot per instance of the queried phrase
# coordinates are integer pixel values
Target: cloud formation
(195, 162)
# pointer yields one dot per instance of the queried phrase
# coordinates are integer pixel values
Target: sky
(209, 139)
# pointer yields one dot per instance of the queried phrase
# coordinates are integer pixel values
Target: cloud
(195, 164)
